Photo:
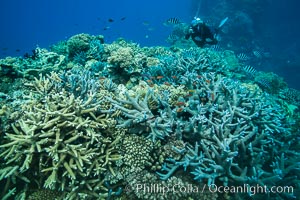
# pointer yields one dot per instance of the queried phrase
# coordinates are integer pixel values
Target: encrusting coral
(110, 117)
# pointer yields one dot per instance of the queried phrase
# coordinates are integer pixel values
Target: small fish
(197, 38)
(264, 84)
(188, 95)
(167, 83)
(249, 69)
(243, 56)
(257, 54)
(212, 96)
(179, 110)
(267, 54)
(180, 103)
(18, 50)
(172, 37)
(146, 76)
(146, 23)
(172, 21)
(159, 77)
(110, 20)
(188, 53)
(150, 83)
(208, 40)
(174, 77)
(223, 22)
(123, 18)
(106, 28)
(215, 47)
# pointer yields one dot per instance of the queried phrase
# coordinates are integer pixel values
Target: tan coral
(67, 138)
(136, 152)
(122, 57)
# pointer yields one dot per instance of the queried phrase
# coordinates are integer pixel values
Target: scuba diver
(203, 34)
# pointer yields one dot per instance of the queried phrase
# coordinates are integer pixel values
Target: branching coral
(235, 132)
(140, 118)
(65, 139)
(179, 117)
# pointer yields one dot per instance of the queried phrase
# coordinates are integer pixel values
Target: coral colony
(88, 120)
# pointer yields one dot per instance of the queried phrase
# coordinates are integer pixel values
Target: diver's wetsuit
(202, 34)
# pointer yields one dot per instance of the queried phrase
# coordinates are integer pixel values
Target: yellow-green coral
(136, 152)
(44, 195)
(123, 57)
(127, 59)
(67, 139)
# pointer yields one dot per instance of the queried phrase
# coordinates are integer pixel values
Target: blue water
(26, 24)
(269, 25)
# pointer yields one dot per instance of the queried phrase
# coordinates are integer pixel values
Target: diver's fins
(223, 22)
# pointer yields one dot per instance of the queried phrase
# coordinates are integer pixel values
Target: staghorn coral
(66, 140)
(182, 116)
(78, 82)
(193, 60)
(141, 119)
(233, 127)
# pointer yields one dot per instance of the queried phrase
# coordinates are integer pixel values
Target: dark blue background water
(271, 25)
(25, 24)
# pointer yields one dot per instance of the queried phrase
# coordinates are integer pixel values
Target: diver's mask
(196, 21)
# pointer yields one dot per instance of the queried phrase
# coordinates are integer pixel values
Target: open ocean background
(271, 26)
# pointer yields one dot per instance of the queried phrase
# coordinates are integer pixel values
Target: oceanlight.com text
(190, 188)
(252, 190)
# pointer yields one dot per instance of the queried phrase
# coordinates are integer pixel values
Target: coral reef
(141, 118)
(41, 62)
(136, 152)
(291, 95)
(90, 120)
(83, 43)
(62, 137)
